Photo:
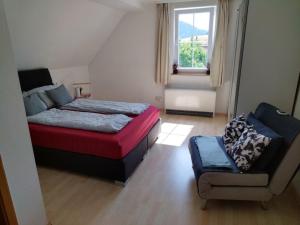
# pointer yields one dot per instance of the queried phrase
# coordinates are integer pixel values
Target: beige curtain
(163, 56)
(218, 56)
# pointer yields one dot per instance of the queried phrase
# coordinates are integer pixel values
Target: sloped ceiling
(63, 33)
(122, 4)
(59, 33)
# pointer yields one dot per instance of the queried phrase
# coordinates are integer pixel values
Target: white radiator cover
(190, 100)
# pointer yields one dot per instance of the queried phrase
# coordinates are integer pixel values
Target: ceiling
(122, 4)
(63, 33)
(58, 33)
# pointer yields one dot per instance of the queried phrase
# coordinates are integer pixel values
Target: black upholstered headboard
(30, 79)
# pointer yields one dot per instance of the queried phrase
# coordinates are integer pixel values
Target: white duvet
(110, 107)
(81, 120)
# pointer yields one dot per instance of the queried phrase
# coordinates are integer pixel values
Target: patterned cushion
(233, 130)
(248, 148)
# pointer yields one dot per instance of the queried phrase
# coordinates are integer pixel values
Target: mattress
(113, 146)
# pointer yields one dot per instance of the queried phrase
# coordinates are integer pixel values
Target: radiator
(190, 101)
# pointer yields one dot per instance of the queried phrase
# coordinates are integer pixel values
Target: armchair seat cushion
(198, 166)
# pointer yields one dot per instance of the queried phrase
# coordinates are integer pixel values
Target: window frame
(211, 9)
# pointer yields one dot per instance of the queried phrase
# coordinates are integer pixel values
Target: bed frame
(114, 169)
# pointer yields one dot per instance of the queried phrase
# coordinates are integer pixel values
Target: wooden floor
(161, 191)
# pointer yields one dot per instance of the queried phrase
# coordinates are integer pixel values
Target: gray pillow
(60, 95)
(45, 98)
(39, 89)
(34, 105)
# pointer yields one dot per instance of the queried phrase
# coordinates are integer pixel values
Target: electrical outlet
(158, 98)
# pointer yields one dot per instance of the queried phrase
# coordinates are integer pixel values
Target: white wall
(124, 68)
(66, 37)
(58, 33)
(62, 35)
(68, 76)
(16, 149)
(271, 61)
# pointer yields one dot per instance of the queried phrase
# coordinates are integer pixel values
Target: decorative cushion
(34, 105)
(269, 159)
(248, 148)
(233, 131)
(60, 96)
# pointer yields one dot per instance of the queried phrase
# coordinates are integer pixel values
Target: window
(193, 38)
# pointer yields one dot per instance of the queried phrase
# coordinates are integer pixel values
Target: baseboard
(189, 113)
(221, 114)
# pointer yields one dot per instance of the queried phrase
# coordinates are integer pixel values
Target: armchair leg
(264, 205)
(203, 204)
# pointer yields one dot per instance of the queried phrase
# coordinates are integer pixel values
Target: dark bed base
(118, 170)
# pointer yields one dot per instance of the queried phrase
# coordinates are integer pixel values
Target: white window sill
(192, 72)
(186, 70)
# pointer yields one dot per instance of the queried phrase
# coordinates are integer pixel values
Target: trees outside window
(193, 37)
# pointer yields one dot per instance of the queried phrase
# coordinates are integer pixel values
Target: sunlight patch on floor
(174, 134)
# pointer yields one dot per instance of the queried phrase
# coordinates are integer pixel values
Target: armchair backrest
(282, 123)
(287, 168)
(289, 128)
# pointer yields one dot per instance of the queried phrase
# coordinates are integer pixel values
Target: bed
(112, 156)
